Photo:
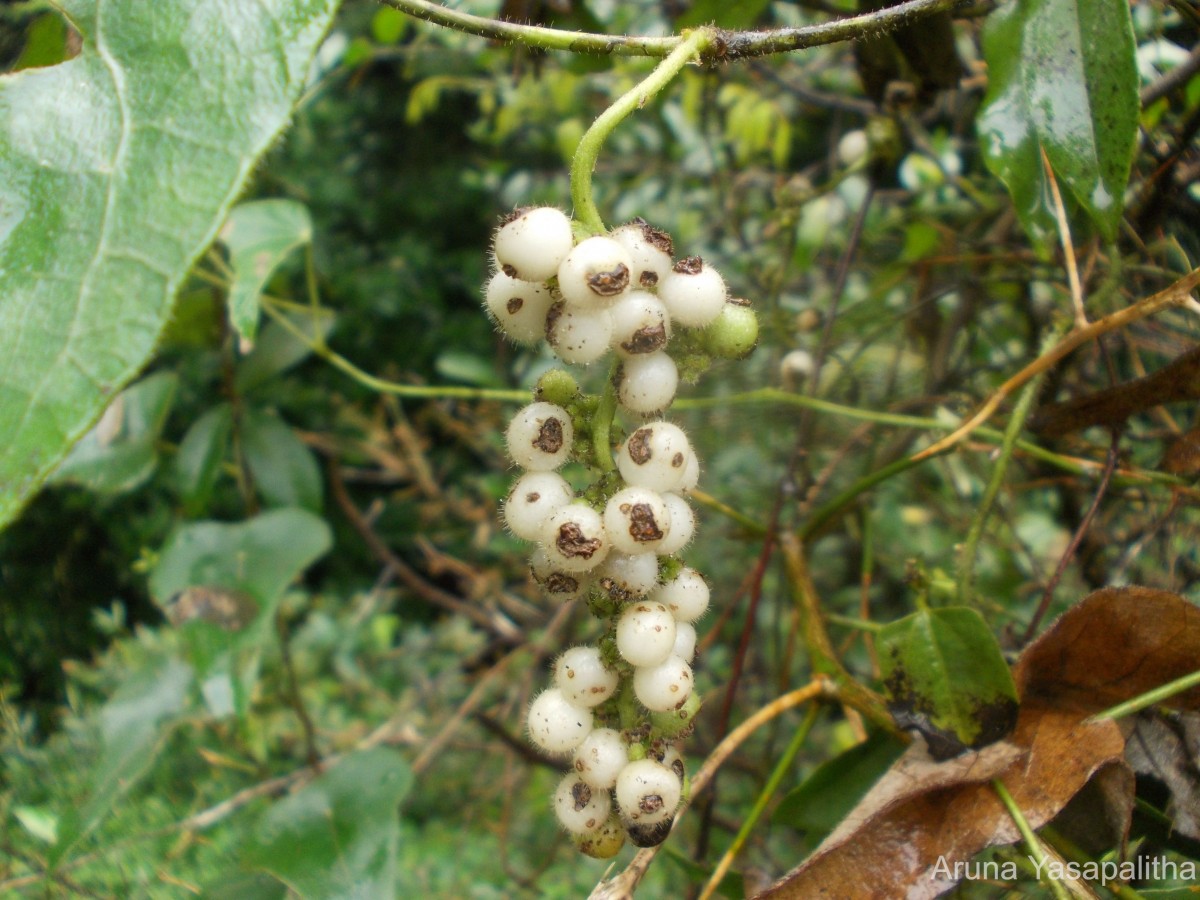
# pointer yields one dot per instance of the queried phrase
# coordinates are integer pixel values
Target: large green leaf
(1062, 77)
(339, 836)
(117, 168)
(946, 678)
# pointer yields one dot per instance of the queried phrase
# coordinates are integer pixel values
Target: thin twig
(1076, 539)
(1178, 294)
(1064, 237)
(728, 45)
(496, 623)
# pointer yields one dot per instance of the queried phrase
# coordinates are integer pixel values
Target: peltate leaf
(946, 678)
(339, 836)
(118, 168)
(259, 237)
(1062, 78)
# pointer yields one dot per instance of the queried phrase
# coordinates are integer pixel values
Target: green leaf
(119, 167)
(42, 823)
(121, 451)
(1062, 77)
(339, 836)
(278, 350)
(134, 723)
(259, 557)
(45, 43)
(945, 676)
(285, 471)
(388, 25)
(250, 562)
(201, 453)
(259, 237)
(832, 790)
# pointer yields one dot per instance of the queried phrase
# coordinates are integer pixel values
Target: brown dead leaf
(1178, 380)
(918, 816)
(1112, 646)
(1166, 746)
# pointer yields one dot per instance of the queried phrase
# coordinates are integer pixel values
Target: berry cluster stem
(584, 162)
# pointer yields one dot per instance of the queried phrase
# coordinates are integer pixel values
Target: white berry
(575, 539)
(534, 497)
(655, 456)
(683, 525)
(637, 520)
(594, 274)
(555, 582)
(693, 293)
(601, 757)
(533, 244)
(685, 641)
(578, 337)
(628, 576)
(640, 324)
(540, 436)
(583, 678)
(665, 686)
(557, 725)
(645, 633)
(691, 474)
(686, 595)
(647, 384)
(580, 808)
(647, 792)
(649, 248)
(518, 307)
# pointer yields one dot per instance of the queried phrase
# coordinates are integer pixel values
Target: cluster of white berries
(615, 708)
(622, 291)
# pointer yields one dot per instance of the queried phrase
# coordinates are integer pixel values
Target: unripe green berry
(734, 334)
(676, 723)
(557, 386)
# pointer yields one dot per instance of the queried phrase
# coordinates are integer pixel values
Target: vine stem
(1036, 850)
(728, 46)
(966, 579)
(584, 162)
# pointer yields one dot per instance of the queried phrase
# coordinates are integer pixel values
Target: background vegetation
(341, 466)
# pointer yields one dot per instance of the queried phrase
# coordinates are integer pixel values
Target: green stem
(1008, 444)
(782, 768)
(966, 579)
(601, 424)
(381, 384)
(1150, 698)
(584, 163)
(1036, 852)
(730, 46)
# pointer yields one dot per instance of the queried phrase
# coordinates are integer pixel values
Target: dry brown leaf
(1112, 646)
(916, 823)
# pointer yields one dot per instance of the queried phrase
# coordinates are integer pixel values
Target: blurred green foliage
(409, 143)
